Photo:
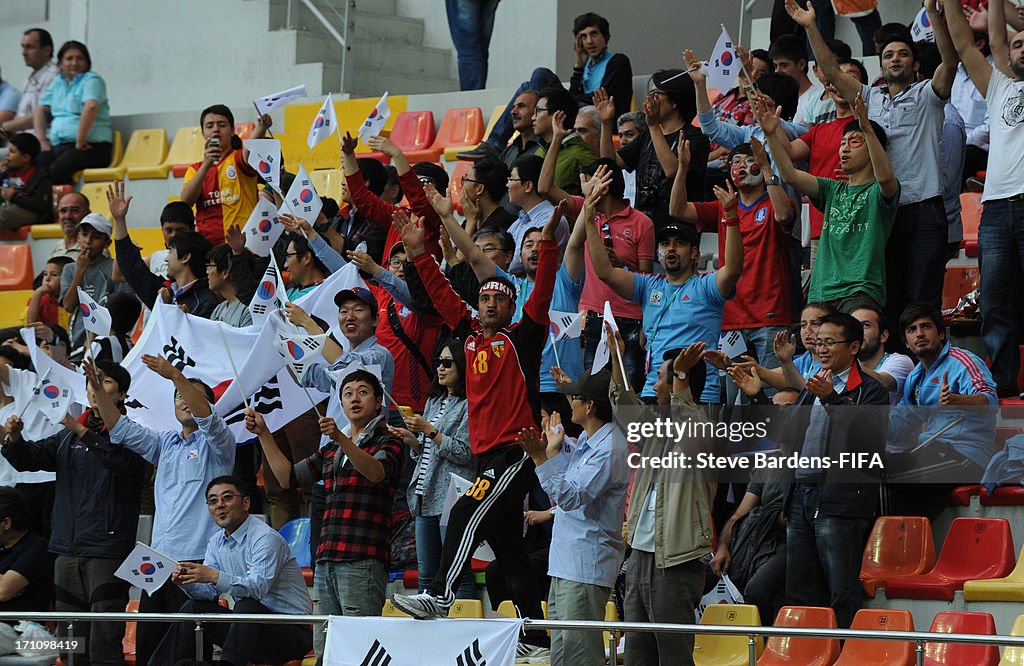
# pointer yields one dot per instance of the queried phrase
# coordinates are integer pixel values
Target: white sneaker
(423, 606)
(532, 654)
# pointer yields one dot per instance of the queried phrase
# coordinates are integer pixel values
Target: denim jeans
(471, 23)
(761, 344)
(429, 539)
(915, 259)
(866, 25)
(823, 555)
(540, 78)
(633, 356)
(1001, 259)
(348, 588)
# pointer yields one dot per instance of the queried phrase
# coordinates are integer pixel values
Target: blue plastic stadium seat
(296, 533)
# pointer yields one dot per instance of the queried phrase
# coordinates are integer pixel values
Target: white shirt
(897, 366)
(1005, 101)
(36, 82)
(810, 107)
(971, 105)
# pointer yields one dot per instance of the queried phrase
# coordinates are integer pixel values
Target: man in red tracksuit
(503, 389)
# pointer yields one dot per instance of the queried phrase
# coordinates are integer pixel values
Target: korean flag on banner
(95, 317)
(301, 351)
(276, 100)
(302, 199)
(724, 66)
(263, 228)
(375, 122)
(565, 325)
(922, 29)
(323, 125)
(145, 568)
(361, 641)
(603, 352)
(270, 294)
(47, 367)
(265, 157)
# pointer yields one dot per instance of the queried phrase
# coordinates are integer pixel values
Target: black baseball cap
(678, 229)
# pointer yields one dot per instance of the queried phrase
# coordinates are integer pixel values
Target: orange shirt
(227, 197)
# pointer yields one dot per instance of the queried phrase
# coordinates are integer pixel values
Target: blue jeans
(471, 23)
(915, 258)
(866, 25)
(823, 555)
(540, 78)
(761, 344)
(348, 588)
(1001, 259)
(429, 539)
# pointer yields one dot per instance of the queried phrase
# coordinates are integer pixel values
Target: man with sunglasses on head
(248, 560)
(186, 461)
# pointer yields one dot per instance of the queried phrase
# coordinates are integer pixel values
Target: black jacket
(850, 430)
(98, 491)
(617, 82)
(37, 195)
(198, 298)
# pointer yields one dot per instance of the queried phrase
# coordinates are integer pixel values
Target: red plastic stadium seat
(897, 546)
(961, 654)
(1003, 496)
(16, 267)
(1011, 408)
(244, 130)
(462, 167)
(974, 548)
(959, 280)
(459, 127)
(970, 202)
(790, 651)
(413, 130)
(961, 495)
(19, 234)
(879, 653)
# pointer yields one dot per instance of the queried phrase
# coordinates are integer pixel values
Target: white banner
(366, 641)
(375, 122)
(265, 157)
(145, 568)
(276, 100)
(263, 228)
(323, 125)
(603, 352)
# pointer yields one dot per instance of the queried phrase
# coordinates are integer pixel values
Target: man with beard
(890, 369)
(682, 306)
(911, 112)
(1004, 188)
(762, 307)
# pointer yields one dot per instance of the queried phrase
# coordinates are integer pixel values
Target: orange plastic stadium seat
(462, 167)
(244, 130)
(961, 654)
(879, 653)
(970, 203)
(459, 127)
(959, 280)
(974, 548)
(791, 651)
(413, 130)
(961, 495)
(897, 546)
(16, 267)
(19, 234)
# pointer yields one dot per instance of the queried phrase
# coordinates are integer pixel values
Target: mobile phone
(215, 142)
(406, 411)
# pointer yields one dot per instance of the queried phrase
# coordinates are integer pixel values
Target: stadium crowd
(589, 209)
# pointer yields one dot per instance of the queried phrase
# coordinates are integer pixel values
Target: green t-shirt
(573, 157)
(851, 253)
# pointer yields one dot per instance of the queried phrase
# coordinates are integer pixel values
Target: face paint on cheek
(754, 176)
(855, 140)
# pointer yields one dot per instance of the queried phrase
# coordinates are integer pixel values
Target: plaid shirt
(357, 520)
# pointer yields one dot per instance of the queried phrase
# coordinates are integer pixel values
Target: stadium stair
(974, 548)
(879, 653)
(720, 650)
(897, 546)
(961, 654)
(790, 651)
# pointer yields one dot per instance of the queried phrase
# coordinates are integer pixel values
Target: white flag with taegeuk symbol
(302, 199)
(265, 158)
(565, 325)
(270, 294)
(95, 317)
(300, 351)
(263, 228)
(323, 125)
(145, 568)
(276, 100)
(375, 122)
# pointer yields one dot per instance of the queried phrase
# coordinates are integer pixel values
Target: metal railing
(341, 36)
(919, 638)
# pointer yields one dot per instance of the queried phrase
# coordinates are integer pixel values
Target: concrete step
(372, 82)
(403, 58)
(377, 26)
(316, 47)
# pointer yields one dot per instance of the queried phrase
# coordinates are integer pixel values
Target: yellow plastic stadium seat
(116, 155)
(97, 195)
(467, 608)
(12, 307)
(350, 112)
(508, 609)
(389, 610)
(149, 240)
(185, 150)
(53, 230)
(146, 150)
(295, 151)
(328, 183)
(1014, 656)
(722, 650)
(1010, 588)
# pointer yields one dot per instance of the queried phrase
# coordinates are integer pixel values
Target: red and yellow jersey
(227, 197)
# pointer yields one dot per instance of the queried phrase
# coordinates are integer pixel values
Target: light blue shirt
(564, 298)
(806, 365)
(181, 525)
(9, 97)
(729, 136)
(334, 262)
(588, 485)
(66, 101)
(537, 216)
(254, 563)
(370, 352)
(676, 316)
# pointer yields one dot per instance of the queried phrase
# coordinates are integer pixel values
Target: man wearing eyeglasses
(186, 461)
(248, 560)
(829, 517)
(70, 211)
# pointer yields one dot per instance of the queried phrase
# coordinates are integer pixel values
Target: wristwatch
(772, 180)
(432, 435)
(681, 376)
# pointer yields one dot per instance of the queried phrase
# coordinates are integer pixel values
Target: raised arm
(880, 164)
(782, 205)
(768, 118)
(605, 106)
(546, 182)
(276, 460)
(997, 37)
(847, 86)
(678, 205)
(188, 392)
(700, 80)
(593, 189)
(619, 279)
(728, 275)
(447, 303)
(363, 462)
(481, 264)
(942, 80)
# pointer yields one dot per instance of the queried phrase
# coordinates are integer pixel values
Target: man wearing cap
(587, 483)
(682, 306)
(91, 271)
(502, 388)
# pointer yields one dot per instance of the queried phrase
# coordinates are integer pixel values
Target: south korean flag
(301, 351)
(302, 199)
(263, 228)
(270, 294)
